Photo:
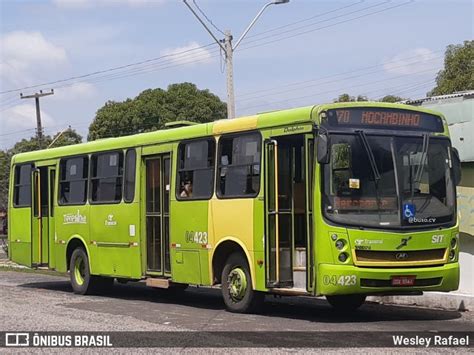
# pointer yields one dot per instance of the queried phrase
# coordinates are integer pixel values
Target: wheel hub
(237, 282)
(79, 271)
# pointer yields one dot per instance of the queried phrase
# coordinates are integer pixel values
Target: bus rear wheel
(82, 282)
(346, 303)
(239, 297)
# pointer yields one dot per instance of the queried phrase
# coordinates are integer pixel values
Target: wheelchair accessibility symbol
(408, 210)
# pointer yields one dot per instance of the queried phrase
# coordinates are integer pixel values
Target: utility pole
(228, 49)
(229, 54)
(39, 127)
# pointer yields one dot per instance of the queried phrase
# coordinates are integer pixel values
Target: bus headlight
(343, 257)
(333, 236)
(452, 255)
(340, 244)
(453, 243)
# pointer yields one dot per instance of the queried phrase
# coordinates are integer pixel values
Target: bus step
(158, 283)
(290, 291)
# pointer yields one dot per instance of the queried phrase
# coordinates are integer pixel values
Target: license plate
(403, 280)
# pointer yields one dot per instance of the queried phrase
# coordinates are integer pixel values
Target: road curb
(449, 301)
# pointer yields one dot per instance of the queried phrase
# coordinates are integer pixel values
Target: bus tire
(82, 282)
(346, 303)
(239, 297)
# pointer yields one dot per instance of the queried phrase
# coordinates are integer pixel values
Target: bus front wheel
(239, 297)
(346, 303)
(82, 282)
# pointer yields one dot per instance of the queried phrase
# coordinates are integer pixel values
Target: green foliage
(5, 158)
(392, 98)
(458, 71)
(152, 108)
(67, 137)
(349, 98)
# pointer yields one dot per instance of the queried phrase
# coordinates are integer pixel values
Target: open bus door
(42, 221)
(309, 180)
(288, 212)
(278, 262)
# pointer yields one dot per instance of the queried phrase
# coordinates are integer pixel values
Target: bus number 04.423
(196, 237)
(343, 280)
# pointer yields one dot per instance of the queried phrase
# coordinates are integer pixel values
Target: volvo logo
(401, 256)
(404, 242)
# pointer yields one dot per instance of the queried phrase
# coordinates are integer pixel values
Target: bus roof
(263, 120)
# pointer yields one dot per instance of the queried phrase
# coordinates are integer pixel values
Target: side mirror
(322, 149)
(456, 166)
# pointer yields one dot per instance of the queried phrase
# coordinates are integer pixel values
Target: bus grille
(402, 258)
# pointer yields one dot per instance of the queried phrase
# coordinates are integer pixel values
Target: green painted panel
(19, 235)
(187, 271)
(187, 219)
(110, 230)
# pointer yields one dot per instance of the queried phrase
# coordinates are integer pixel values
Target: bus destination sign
(384, 118)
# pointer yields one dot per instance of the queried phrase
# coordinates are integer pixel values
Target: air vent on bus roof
(176, 124)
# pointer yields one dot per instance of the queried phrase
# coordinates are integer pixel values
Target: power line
(305, 20)
(106, 70)
(207, 18)
(296, 83)
(335, 90)
(324, 27)
(318, 83)
(151, 60)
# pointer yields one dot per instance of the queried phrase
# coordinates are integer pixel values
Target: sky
(301, 53)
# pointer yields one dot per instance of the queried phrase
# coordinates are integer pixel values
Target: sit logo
(110, 221)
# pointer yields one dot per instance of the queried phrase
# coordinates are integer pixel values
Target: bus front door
(277, 244)
(157, 215)
(288, 215)
(42, 221)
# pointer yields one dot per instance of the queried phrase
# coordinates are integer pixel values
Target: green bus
(341, 200)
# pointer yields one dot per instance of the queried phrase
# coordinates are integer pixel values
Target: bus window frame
(14, 195)
(178, 170)
(125, 168)
(403, 134)
(58, 196)
(218, 165)
(110, 202)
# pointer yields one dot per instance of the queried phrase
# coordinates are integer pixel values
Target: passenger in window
(187, 189)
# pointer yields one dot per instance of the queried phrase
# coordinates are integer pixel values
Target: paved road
(42, 302)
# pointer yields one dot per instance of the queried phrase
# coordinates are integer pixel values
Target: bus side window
(106, 177)
(239, 166)
(22, 186)
(73, 174)
(195, 178)
(129, 180)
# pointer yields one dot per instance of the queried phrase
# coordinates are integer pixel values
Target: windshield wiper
(373, 165)
(424, 153)
(370, 155)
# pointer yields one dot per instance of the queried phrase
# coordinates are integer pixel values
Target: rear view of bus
(387, 221)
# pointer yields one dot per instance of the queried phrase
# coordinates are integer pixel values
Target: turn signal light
(340, 244)
(343, 257)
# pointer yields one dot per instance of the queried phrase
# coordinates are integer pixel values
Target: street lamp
(226, 46)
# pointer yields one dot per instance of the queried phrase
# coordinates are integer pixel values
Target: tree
(391, 98)
(5, 158)
(67, 137)
(152, 108)
(349, 98)
(457, 74)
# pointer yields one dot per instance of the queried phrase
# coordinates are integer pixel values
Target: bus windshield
(388, 182)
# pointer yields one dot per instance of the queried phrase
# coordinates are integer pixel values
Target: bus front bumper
(349, 279)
